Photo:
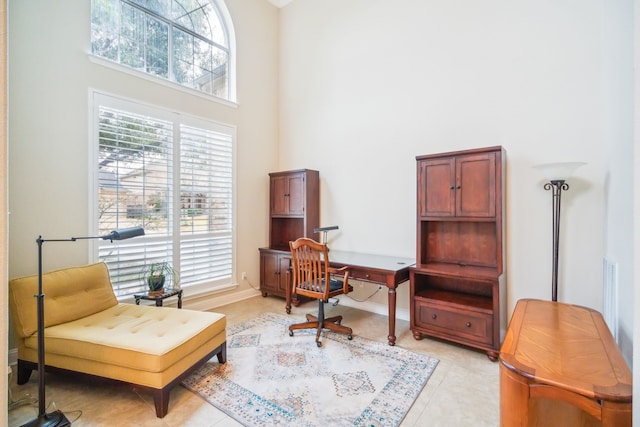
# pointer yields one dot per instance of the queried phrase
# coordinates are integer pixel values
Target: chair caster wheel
(349, 337)
(318, 343)
(290, 333)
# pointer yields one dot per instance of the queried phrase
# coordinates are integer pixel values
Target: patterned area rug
(272, 379)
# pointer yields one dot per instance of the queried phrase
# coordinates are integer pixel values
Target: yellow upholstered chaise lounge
(88, 331)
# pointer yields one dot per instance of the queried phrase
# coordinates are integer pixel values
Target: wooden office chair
(311, 272)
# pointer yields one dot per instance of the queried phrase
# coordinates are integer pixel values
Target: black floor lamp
(557, 174)
(57, 418)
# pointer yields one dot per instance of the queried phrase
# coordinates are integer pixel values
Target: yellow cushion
(145, 338)
(70, 294)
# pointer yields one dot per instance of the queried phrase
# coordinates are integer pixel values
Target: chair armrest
(345, 280)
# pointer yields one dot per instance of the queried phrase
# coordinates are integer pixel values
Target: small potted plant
(160, 275)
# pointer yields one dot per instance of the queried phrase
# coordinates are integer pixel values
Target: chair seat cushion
(334, 285)
(144, 338)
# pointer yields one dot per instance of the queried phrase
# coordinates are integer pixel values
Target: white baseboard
(211, 301)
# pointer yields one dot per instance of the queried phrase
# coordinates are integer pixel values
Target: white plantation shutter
(206, 198)
(185, 205)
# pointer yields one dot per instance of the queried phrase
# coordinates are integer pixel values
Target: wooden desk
(559, 365)
(389, 271)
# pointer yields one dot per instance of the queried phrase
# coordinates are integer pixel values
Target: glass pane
(132, 26)
(183, 57)
(220, 73)
(206, 181)
(104, 19)
(134, 172)
(202, 65)
(161, 7)
(157, 52)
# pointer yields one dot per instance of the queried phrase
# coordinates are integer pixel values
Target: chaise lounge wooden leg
(161, 396)
(161, 401)
(222, 355)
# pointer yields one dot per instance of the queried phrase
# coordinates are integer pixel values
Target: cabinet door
(476, 185)
(436, 179)
(284, 265)
(279, 198)
(295, 194)
(269, 276)
(288, 195)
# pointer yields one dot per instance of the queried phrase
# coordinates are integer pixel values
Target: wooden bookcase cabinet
(294, 211)
(457, 287)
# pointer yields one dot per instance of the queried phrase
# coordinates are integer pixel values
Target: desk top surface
(566, 346)
(380, 262)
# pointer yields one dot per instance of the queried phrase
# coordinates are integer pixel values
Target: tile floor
(463, 390)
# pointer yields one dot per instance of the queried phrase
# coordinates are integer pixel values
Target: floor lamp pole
(57, 418)
(556, 187)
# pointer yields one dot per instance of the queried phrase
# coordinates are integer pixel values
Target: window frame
(99, 98)
(229, 30)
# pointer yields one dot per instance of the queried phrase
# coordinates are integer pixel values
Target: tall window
(173, 175)
(184, 41)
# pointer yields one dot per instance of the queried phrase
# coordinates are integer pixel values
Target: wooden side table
(159, 297)
(559, 366)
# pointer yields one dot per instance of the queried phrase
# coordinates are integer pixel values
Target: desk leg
(391, 296)
(180, 299)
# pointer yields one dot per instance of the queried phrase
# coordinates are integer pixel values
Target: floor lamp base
(52, 419)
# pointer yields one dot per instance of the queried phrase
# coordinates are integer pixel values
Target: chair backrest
(309, 268)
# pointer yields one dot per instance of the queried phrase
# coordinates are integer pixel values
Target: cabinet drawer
(465, 324)
(370, 276)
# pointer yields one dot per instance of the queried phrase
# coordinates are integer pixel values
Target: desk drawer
(466, 324)
(369, 276)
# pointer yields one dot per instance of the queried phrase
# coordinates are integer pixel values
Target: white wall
(366, 85)
(49, 79)
(617, 146)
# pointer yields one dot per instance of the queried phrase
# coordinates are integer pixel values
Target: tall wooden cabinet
(294, 212)
(458, 282)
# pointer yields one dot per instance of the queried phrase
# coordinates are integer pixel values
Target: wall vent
(610, 295)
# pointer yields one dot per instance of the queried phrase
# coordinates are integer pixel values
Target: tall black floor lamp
(57, 418)
(557, 174)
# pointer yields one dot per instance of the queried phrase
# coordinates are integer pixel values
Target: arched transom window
(184, 41)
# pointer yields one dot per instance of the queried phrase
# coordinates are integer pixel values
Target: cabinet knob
(434, 316)
(468, 324)
(458, 187)
(452, 187)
